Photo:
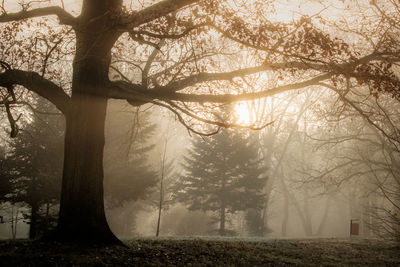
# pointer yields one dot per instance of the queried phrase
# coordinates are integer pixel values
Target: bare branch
(153, 12)
(205, 77)
(36, 83)
(189, 128)
(229, 98)
(48, 54)
(139, 94)
(150, 61)
(124, 90)
(31, 107)
(63, 16)
(12, 121)
(219, 123)
(332, 69)
(135, 92)
(363, 115)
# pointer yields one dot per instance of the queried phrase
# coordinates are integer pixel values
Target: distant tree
(33, 168)
(127, 170)
(128, 174)
(167, 176)
(5, 182)
(178, 221)
(223, 174)
(255, 225)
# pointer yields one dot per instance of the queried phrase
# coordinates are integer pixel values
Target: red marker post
(354, 227)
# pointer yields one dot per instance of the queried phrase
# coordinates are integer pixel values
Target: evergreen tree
(31, 171)
(33, 168)
(223, 174)
(5, 182)
(128, 173)
(254, 223)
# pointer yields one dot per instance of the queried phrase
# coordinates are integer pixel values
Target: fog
(319, 161)
(319, 175)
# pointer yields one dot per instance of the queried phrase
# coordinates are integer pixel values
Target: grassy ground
(205, 252)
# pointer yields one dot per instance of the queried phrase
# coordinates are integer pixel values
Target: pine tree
(128, 174)
(223, 174)
(33, 168)
(5, 181)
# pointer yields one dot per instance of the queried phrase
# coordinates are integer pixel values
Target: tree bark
(82, 216)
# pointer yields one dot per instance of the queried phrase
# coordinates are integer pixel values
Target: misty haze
(209, 133)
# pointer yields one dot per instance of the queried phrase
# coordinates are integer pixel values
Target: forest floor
(206, 252)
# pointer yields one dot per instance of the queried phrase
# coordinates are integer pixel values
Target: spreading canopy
(192, 56)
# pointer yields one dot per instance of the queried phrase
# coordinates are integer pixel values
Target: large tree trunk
(82, 216)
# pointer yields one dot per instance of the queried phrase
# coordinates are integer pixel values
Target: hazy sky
(287, 9)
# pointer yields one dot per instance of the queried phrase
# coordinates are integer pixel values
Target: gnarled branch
(124, 90)
(206, 77)
(36, 83)
(230, 98)
(333, 69)
(141, 94)
(63, 16)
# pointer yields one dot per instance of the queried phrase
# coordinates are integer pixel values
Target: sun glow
(253, 113)
(243, 114)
